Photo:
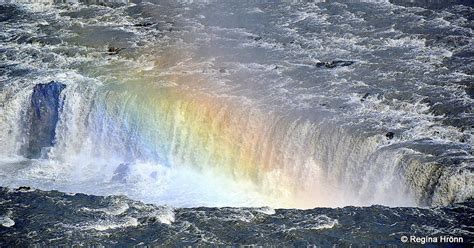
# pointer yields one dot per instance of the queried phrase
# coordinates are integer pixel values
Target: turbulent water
(67, 220)
(286, 104)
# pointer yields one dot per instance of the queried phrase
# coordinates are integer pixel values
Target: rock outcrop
(43, 117)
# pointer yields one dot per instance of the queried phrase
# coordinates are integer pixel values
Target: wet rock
(470, 91)
(254, 37)
(335, 63)
(390, 135)
(105, 3)
(43, 117)
(144, 24)
(364, 97)
(464, 138)
(114, 50)
(24, 188)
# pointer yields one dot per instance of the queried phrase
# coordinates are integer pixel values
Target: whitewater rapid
(242, 104)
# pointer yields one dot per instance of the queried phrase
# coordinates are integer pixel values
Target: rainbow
(182, 125)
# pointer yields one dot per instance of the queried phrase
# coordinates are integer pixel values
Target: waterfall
(105, 129)
(186, 106)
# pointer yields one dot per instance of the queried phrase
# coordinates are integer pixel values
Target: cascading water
(140, 135)
(197, 110)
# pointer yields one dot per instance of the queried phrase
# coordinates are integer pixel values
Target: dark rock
(335, 63)
(144, 24)
(364, 97)
(24, 188)
(43, 117)
(389, 135)
(320, 64)
(114, 50)
(222, 70)
(464, 138)
(254, 37)
(470, 91)
(105, 3)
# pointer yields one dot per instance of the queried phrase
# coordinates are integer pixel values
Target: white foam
(107, 225)
(117, 209)
(324, 222)
(266, 210)
(312, 223)
(255, 10)
(166, 216)
(6, 221)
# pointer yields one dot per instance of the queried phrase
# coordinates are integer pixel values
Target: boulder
(43, 117)
(364, 97)
(390, 135)
(335, 63)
